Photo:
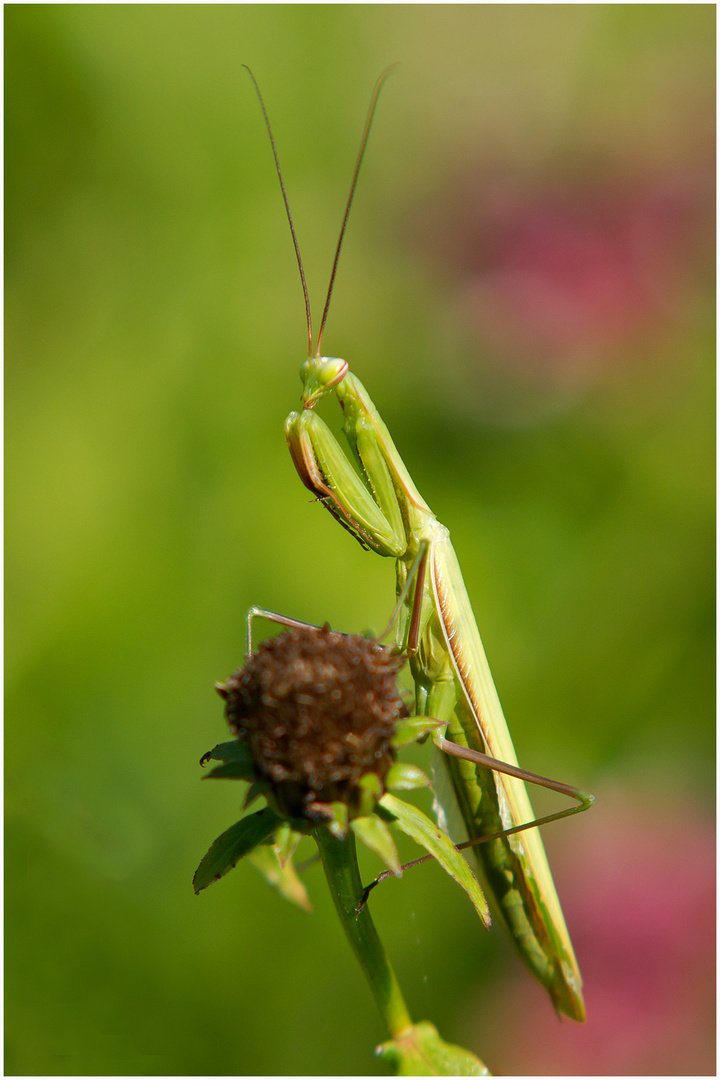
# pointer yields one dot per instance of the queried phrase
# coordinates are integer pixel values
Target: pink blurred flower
(559, 281)
(638, 888)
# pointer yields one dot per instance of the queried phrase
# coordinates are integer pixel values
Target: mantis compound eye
(331, 370)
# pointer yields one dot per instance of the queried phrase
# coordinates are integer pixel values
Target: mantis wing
(515, 867)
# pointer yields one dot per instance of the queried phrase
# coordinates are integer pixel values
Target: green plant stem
(339, 860)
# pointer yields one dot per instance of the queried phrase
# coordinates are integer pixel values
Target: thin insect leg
(413, 641)
(273, 616)
(584, 799)
(416, 576)
(455, 750)
(386, 874)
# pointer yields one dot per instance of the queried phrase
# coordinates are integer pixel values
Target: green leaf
(234, 750)
(281, 875)
(420, 1051)
(412, 729)
(256, 789)
(425, 832)
(230, 846)
(232, 770)
(285, 842)
(404, 777)
(375, 834)
(371, 789)
(338, 823)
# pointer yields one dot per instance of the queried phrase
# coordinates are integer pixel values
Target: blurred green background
(526, 290)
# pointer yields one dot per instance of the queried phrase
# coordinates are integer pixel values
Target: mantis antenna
(361, 154)
(308, 316)
(353, 185)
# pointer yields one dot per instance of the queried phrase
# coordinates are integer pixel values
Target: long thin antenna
(287, 205)
(361, 155)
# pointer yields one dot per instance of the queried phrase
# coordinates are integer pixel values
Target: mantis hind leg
(584, 799)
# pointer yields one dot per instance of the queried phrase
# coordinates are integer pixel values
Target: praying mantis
(479, 781)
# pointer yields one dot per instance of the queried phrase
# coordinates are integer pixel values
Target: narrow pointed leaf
(282, 877)
(338, 824)
(230, 846)
(285, 843)
(232, 770)
(413, 728)
(370, 791)
(256, 789)
(425, 832)
(375, 834)
(234, 750)
(405, 777)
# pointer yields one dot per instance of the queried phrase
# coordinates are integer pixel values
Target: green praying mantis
(479, 782)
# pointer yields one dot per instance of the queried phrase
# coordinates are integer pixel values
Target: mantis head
(320, 374)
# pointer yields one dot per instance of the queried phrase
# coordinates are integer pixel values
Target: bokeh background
(527, 292)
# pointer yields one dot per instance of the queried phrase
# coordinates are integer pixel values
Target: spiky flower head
(317, 710)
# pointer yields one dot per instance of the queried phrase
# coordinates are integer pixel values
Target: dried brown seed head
(317, 709)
